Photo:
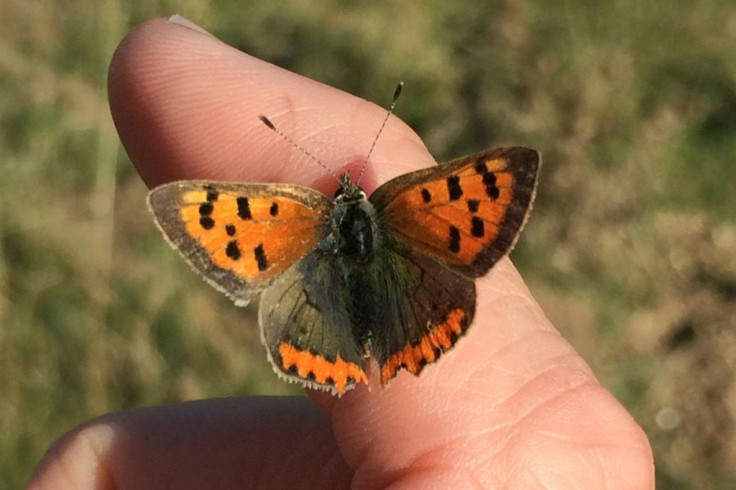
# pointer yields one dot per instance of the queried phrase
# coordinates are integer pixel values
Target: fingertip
(162, 85)
(183, 21)
(187, 106)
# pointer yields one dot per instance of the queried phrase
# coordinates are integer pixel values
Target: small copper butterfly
(390, 276)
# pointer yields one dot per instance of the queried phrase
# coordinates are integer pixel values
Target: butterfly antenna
(296, 145)
(397, 93)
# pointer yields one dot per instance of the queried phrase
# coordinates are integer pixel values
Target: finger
(187, 106)
(192, 111)
(510, 406)
(224, 443)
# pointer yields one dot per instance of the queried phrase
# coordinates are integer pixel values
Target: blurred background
(631, 248)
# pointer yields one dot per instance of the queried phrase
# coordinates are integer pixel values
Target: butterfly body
(389, 277)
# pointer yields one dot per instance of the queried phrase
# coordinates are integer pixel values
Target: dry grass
(630, 249)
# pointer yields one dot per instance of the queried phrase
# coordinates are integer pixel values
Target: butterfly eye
(339, 192)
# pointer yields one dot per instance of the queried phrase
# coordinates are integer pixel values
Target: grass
(630, 249)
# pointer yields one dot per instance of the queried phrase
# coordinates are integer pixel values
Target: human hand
(510, 406)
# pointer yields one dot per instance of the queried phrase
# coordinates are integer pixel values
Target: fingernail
(183, 21)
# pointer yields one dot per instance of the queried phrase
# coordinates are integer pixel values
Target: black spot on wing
(489, 180)
(453, 187)
(454, 245)
(477, 228)
(206, 222)
(232, 250)
(206, 208)
(212, 194)
(244, 208)
(260, 256)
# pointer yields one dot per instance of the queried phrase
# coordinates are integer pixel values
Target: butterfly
(341, 280)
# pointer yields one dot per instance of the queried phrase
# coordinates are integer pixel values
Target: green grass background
(630, 249)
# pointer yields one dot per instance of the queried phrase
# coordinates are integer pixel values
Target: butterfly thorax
(353, 221)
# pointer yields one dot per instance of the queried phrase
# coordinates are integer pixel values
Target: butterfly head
(348, 191)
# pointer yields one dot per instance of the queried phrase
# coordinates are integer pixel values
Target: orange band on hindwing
(414, 357)
(339, 373)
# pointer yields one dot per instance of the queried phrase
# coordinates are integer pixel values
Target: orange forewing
(290, 235)
(466, 213)
(254, 231)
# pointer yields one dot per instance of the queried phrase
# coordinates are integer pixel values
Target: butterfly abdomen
(359, 257)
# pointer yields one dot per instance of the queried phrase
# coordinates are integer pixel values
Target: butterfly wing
(466, 213)
(429, 307)
(447, 225)
(307, 325)
(239, 236)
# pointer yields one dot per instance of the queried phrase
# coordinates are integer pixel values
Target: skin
(511, 406)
